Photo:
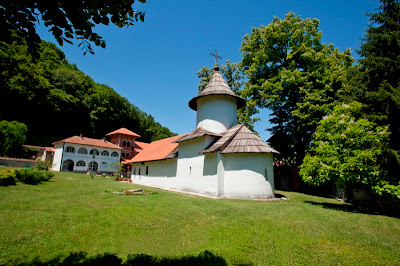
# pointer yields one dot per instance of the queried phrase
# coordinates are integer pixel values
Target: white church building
(219, 158)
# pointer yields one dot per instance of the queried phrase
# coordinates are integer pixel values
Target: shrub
(33, 176)
(7, 177)
(43, 165)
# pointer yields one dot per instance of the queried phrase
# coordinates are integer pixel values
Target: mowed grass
(74, 213)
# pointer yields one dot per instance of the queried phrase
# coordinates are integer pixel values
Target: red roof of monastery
(140, 146)
(90, 142)
(158, 150)
(124, 131)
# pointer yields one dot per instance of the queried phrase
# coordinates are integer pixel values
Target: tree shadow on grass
(351, 208)
(81, 258)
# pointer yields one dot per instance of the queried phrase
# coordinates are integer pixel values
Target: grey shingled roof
(198, 132)
(239, 139)
(217, 86)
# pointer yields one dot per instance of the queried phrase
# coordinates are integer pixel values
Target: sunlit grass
(73, 213)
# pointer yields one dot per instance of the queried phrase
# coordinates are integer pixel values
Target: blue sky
(154, 64)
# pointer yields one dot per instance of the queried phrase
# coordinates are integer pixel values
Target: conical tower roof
(217, 86)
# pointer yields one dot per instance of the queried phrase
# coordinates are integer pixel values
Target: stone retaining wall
(14, 162)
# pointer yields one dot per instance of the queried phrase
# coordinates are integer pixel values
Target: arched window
(93, 166)
(114, 154)
(70, 149)
(94, 152)
(124, 143)
(82, 151)
(104, 166)
(105, 153)
(123, 155)
(128, 144)
(80, 163)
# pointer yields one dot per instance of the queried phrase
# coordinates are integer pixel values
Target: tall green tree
(349, 150)
(379, 89)
(12, 137)
(66, 19)
(292, 73)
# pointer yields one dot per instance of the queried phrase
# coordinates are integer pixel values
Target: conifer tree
(380, 74)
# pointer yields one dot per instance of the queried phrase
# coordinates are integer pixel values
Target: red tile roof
(90, 142)
(124, 131)
(157, 150)
(50, 149)
(139, 146)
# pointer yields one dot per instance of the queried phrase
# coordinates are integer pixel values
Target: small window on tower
(127, 144)
(124, 143)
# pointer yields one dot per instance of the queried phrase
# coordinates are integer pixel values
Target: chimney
(81, 136)
(104, 139)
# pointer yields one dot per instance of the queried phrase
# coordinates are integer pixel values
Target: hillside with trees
(55, 100)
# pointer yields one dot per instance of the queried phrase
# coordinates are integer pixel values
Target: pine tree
(380, 74)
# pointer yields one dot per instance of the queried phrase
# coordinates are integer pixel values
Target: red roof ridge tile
(124, 131)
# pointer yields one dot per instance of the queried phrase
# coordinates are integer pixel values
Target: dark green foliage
(7, 177)
(66, 19)
(81, 258)
(12, 137)
(47, 88)
(379, 86)
(33, 176)
(349, 150)
(292, 73)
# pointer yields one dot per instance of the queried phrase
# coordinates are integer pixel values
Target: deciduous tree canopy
(12, 137)
(292, 73)
(350, 150)
(56, 100)
(67, 19)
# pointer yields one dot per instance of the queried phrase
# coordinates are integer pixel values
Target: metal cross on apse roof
(216, 56)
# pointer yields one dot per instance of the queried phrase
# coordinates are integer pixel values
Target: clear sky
(154, 64)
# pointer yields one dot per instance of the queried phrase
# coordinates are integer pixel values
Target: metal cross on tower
(216, 56)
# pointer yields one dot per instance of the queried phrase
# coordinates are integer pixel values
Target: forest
(55, 100)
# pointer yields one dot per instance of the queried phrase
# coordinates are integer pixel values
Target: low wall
(14, 162)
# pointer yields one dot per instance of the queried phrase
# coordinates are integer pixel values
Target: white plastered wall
(191, 166)
(182, 173)
(244, 175)
(216, 113)
(160, 173)
(87, 158)
(58, 150)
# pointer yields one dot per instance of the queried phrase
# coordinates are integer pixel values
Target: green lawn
(74, 213)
